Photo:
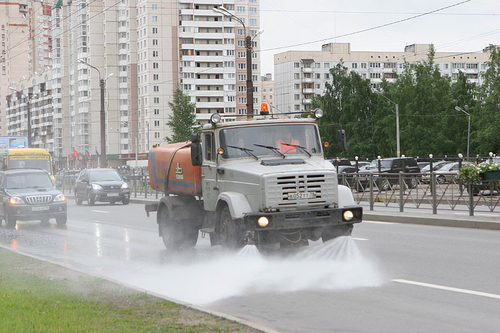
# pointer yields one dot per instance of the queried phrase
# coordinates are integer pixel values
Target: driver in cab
(287, 144)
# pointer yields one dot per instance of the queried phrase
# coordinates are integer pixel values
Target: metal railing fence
(426, 191)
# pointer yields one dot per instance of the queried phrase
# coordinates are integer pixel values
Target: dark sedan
(104, 185)
(30, 194)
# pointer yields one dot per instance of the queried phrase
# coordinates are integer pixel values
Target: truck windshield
(270, 140)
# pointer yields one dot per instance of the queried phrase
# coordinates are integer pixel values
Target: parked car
(105, 185)
(30, 194)
(448, 172)
(426, 171)
(391, 166)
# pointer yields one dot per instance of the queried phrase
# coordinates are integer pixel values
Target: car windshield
(435, 166)
(270, 140)
(28, 180)
(104, 175)
(384, 164)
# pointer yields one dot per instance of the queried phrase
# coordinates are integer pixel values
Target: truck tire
(230, 236)
(176, 234)
(338, 231)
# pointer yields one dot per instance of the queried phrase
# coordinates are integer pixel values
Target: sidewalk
(449, 218)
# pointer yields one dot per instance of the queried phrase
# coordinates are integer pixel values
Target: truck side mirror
(196, 152)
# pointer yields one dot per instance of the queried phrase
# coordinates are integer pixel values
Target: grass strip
(37, 296)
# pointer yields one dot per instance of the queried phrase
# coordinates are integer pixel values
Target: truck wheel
(176, 234)
(334, 232)
(230, 238)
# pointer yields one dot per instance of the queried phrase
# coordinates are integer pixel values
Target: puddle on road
(336, 265)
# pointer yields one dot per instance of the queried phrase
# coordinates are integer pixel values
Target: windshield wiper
(246, 150)
(303, 149)
(276, 150)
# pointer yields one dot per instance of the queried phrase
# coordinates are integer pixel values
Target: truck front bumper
(317, 218)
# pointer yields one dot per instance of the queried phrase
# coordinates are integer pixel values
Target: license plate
(301, 195)
(39, 208)
(113, 194)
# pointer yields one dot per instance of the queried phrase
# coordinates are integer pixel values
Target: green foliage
(487, 136)
(428, 121)
(182, 119)
(30, 302)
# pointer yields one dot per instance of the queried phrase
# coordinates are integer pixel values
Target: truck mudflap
(152, 207)
(327, 217)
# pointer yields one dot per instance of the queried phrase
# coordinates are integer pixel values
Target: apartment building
(213, 56)
(140, 51)
(299, 75)
(26, 47)
(267, 89)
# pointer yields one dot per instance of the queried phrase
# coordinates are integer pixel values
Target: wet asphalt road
(388, 278)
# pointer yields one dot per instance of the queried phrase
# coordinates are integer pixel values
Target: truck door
(209, 172)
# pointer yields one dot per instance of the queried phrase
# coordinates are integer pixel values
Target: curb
(436, 221)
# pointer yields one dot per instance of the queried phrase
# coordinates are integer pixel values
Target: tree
(182, 119)
(347, 104)
(487, 136)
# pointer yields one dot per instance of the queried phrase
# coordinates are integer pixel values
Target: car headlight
(16, 201)
(96, 187)
(124, 185)
(60, 198)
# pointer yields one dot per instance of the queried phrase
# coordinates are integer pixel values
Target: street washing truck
(261, 181)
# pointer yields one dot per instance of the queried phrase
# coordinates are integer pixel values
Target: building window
(155, 30)
(155, 65)
(156, 111)
(155, 54)
(354, 65)
(296, 76)
(253, 21)
(155, 19)
(296, 65)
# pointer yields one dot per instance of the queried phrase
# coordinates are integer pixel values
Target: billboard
(7, 142)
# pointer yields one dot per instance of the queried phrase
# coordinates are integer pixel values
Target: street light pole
(398, 146)
(468, 129)
(102, 85)
(248, 45)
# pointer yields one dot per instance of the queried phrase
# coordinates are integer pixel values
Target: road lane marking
(458, 290)
(99, 211)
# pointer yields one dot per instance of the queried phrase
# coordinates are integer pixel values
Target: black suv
(392, 167)
(30, 194)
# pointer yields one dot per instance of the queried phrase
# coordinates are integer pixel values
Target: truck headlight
(348, 215)
(263, 221)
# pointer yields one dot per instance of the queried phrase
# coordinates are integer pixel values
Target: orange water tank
(175, 160)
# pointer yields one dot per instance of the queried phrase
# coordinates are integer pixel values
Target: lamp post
(468, 130)
(102, 85)
(398, 146)
(248, 45)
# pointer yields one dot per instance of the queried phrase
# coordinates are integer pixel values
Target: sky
(381, 25)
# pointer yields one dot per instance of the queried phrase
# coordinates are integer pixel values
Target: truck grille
(300, 191)
(37, 199)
